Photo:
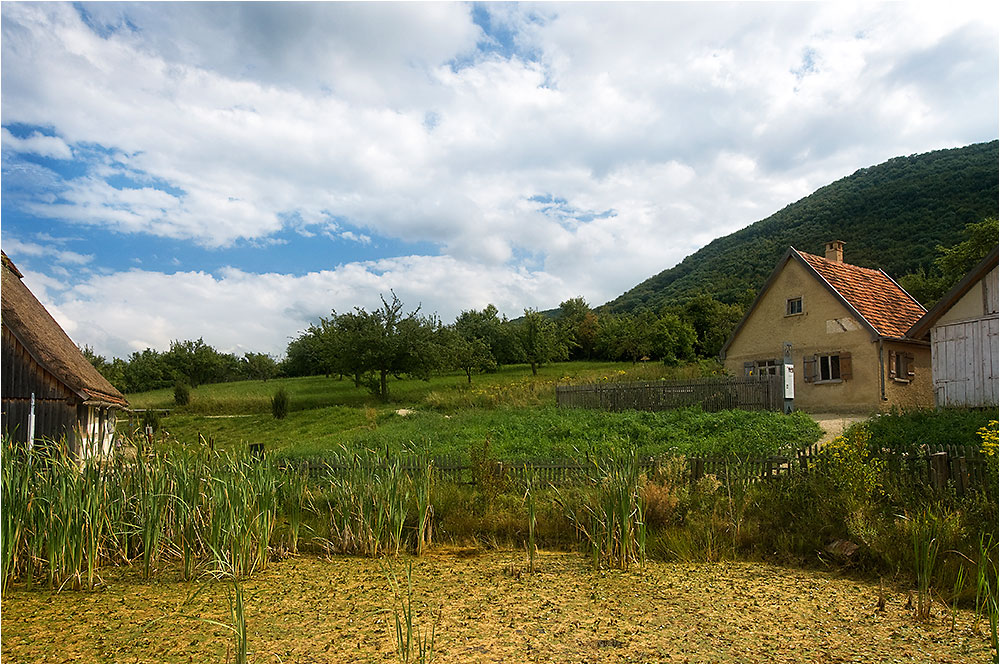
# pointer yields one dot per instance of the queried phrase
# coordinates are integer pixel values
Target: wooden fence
(751, 393)
(958, 467)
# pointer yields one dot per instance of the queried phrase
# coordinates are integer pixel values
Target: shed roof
(48, 343)
(922, 327)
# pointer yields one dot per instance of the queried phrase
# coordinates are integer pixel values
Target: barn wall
(55, 404)
(966, 363)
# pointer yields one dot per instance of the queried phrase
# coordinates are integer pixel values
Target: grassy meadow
(447, 415)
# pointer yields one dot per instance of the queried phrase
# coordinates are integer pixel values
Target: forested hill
(891, 216)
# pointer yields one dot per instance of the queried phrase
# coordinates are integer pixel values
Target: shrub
(279, 404)
(150, 418)
(182, 394)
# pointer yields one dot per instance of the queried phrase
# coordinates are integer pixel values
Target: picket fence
(960, 468)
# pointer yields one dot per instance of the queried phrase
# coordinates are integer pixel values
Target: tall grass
(412, 643)
(64, 519)
(925, 551)
(611, 519)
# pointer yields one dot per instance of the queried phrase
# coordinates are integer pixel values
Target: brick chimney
(835, 251)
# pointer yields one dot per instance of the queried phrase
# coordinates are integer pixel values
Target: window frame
(797, 302)
(901, 368)
(813, 367)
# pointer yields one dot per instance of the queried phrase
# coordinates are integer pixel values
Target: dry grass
(306, 609)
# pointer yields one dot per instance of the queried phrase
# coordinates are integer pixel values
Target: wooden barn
(963, 331)
(45, 373)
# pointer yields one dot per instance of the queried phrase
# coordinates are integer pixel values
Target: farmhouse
(962, 329)
(846, 327)
(42, 365)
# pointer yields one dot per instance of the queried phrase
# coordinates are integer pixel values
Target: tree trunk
(534, 369)
(383, 384)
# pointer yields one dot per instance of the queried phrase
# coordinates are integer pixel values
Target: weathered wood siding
(966, 363)
(55, 405)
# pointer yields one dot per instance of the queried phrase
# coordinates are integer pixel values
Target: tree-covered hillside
(891, 216)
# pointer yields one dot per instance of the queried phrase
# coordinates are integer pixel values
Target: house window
(901, 366)
(793, 306)
(760, 367)
(828, 368)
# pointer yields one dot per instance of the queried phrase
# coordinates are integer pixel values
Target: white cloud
(238, 311)
(37, 144)
(49, 250)
(659, 126)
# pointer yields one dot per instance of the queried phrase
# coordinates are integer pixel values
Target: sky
(233, 171)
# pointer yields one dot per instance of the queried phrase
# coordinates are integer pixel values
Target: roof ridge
(842, 263)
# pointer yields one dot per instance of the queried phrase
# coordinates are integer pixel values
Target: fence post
(939, 470)
(697, 469)
(961, 475)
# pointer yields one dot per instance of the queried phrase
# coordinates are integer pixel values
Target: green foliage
(495, 332)
(182, 394)
(906, 431)
(891, 216)
(713, 322)
(371, 346)
(952, 263)
(279, 404)
(468, 355)
(541, 340)
(151, 419)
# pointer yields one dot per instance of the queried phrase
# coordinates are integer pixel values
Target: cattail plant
(612, 520)
(410, 639)
(925, 550)
(986, 587)
(294, 490)
(425, 510)
(529, 499)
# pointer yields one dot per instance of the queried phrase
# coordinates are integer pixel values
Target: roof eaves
(79, 392)
(927, 321)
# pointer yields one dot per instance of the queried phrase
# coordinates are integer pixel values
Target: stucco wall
(824, 327)
(970, 306)
(909, 392)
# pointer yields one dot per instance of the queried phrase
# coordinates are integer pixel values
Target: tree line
(190, 363)
(371, 347)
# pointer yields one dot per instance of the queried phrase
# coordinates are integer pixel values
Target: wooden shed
(963, 331)
(45, 373)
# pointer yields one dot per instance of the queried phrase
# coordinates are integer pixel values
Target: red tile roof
(887, 307)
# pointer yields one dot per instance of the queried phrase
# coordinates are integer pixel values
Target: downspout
(881, 370)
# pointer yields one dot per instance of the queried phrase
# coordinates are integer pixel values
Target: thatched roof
(48, 343)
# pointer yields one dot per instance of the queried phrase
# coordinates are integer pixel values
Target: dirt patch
(308, 609)
(834, 424)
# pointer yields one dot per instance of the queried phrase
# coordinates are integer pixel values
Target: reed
(411, 641)
(925, 551)
(368, 498)
(529, 499)
(612, 519)
(986, 587)
(16, 496)
(294, 490)
(425, 510)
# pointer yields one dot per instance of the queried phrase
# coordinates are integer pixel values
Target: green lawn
(512, 409)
